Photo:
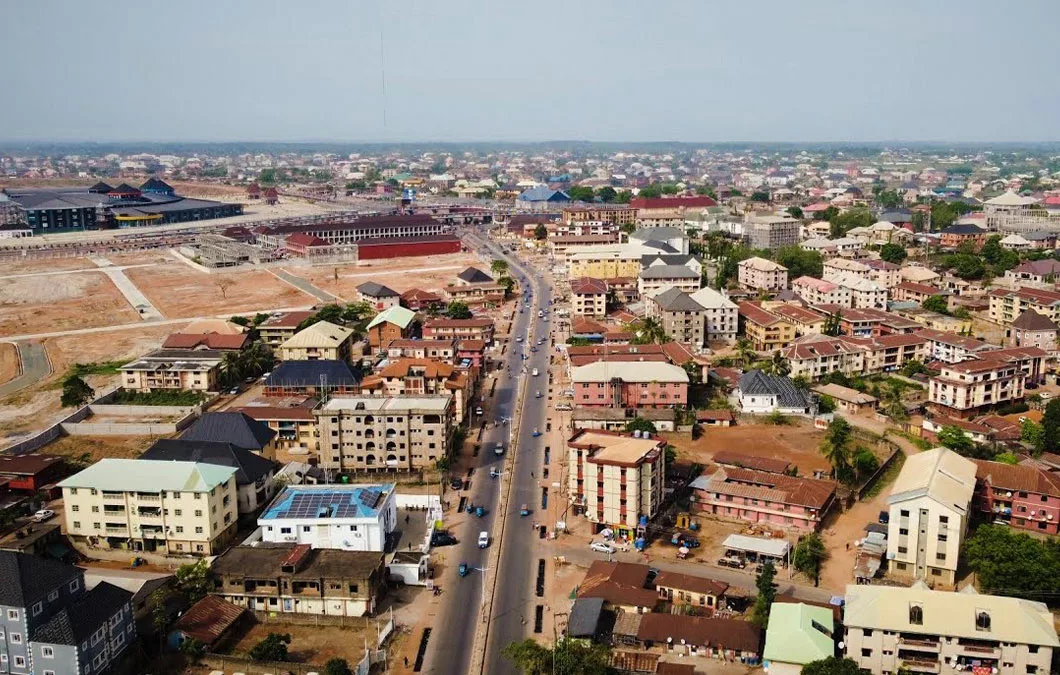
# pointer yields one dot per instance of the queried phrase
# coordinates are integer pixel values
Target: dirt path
(8, 362)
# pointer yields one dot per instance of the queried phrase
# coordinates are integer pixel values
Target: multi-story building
(186, 369)
(1031, 329)
(629, 384)
(774, 499)
(179, 508)
(965, 389)
(960, 234)
(459, 329)
(814, 356)
(658, 278)
(377, 295)
(421, 377)
(610, 260)
(393, 323)
(837, 268)
(683, 319)
(929, 507)
(864, 293)
(296, 430)
(820, 292)
(616, 478)
(1010, 212)
(891, 629)
(342, 516)
(280, 327)
(1024, 497)
(443, 350)
(868, 322)
(805, 321)
(910, 291)
(485, 293)
(722, 320)
(766, 331)
(321, 341)
(562, 246)
(884, 273)
(759, 274)
(847, 247)
(384, 434)
(616, 214)
(771, 232)
(53, 625)
(588, 297)
(668, 211)
(296, 579)
(952, 348)
(1006, 305)
(1045, 271)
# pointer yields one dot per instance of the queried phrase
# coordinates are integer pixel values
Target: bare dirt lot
(139, 258)
(8, 362)
(401, 274)
(180, 291)
(61, 302)
(99, 447)
(31, 265)
(311, 644)
(798, 443)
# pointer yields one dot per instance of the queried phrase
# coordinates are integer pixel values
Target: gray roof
(311, 373)
(24, 578)
(666, 259)
(374, 290)
(237, 428)
(660, 245)
(474, 275)
(249, 466)
(77, 622)
(963, 228)
(676, 300)
(668, 272)
(657, 233)
(584, 619)
(757, 383)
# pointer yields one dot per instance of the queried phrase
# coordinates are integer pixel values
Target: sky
(501, 70)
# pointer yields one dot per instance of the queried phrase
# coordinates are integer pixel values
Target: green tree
(888, 199)
(893, 405)
(707, 191)
(193, 649)
(159, 615)
(848, 220)
(1032, 433)
(836, 448)
(892, 253)
(623, 197)
(833, 666)
(955, 439)
(827, 214)
(760, 196)
(240, 320)
(864, 462)
(918, 221)
(1010, 563)
(778, 365)
(936, 303)
(825, 403)
(337, 667)
(1007, 458)
(966, 265)
(541, 232)
(606, 194)
(272, 648)
(76, 392)
(800, 262)
(810, 553)
(509, 285)
(832, 326)
(640, 424)
(767, 593)
(745, 351)
(913, 367)
(193, 580)
(1051, 426)
(581, 193)
(458, 310)
(694, 371)
(650, 191)
(499, 267)
(794, 212)
(567, 657)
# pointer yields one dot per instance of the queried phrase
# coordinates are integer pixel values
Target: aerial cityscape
(356, 339)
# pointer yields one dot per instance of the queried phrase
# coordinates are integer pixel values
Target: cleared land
(99, 447)
(180, 291)
(61, 302)
(139, 257)
(401, 274)
(30, 265)
(798, 443)
(8, 362)
(311, 644)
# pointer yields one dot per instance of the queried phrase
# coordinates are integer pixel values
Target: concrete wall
(185, 416)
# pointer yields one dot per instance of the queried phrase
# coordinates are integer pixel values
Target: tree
(800, 262)
(809, 554)
(1033, 433)
(864, 462)
(499, 267)
(458, 310)
(694, 371)
(567, 657)
(767, 593)
(892, 253)
(193, 580)
(159, 615)
(1051, 426)
(832, 326)
(913, 367)
(955, 439)
(580, 193)
(1014, 564)
(648, 331)
(541, 232)
(192, 648)
(606, 194)
(966, 265)
(778, 365)
(623, 197)
(272, 648)
(836, 450)
(650, 191)
(223, 284)
(509, 285)
(640, 424)
(260, 318)
(888, 199)
(848, 220)
(745, 350)
(892, 402)
(794, 212)
(918, 221)
(1007, 458)
(337, 667)
(827, 214)
(240, 320)
(936, 303)
(76, 392)
(760, 196)
(833, 666)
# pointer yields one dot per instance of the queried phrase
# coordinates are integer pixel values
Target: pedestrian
(531, 474)
(406, 519)
(848, 545)
(406, 662)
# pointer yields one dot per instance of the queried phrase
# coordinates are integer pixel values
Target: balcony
(148, 497)
(114, 496)
(918, 644)
(117, 529)
(979, 650)
(920, 665)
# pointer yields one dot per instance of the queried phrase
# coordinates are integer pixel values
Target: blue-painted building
(541, 198)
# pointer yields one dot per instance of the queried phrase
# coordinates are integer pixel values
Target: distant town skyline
(475, 71)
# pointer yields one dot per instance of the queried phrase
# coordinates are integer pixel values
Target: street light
(483, 570)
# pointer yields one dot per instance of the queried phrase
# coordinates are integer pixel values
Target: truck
(534, 372)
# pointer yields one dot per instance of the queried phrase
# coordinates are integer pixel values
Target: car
(443, 538)
(42, 515)
(249, 380)
(483, 539)
(602, 547)
(537, 394)
(233, 391)
(533, 349)
(499, 449)
(456, 483)
(884, 518)
(734, 563)
(478, 411)
(519, 338)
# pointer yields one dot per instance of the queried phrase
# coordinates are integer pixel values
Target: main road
(449, 649)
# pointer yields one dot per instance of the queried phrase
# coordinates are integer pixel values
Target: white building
(722, 314)
(347, 517)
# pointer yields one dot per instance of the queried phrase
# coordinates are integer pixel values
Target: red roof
(671, 202)
(305, 239)
(588, 286)
(208, 619)
(207, 340)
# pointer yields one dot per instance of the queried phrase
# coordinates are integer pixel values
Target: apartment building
(918, 274)
(884, 273)
(459, 329)
(1023, 497)
(777, 500)
(175, 508)
(484, 293)
(759, 274)
(321, 341)
(629, 384)
(1031, 329)
(588, 297)
(421, 377)
(869, 322)
(864, 293)
(562, 246)
(820, 292)
(657, 259)
(766, 331)
(296, 579)
(52, 624)
(610, 260)
(929, 507)
(837, 268)
(891, 629)
(296, 430)
(960, 234)
(682, 318)
(805, 321)
(351, 517)
(393, 323)
(686, 589)
(675, 238)
(1045, 271)
(965, 389)
(771, 232)
(814, 356)
(721, 318)
(377, 295)
(615, 479)
(668, 211)
(952, 348)
(443, 350)
(1013, 213)
(384, 434)
(910, 291)
(614, 214)
(184, 369)
(1007, 305)
(847, 247)
(658, 278)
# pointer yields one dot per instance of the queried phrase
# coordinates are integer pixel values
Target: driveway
(35, 367)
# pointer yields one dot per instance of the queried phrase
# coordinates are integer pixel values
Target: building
(588, 297)
(1044, 271)
(52, 624)
(76, 209)
(960, 234)
(442, 350)
(758, 393)
(312, 378)
(668, 211)
(1013, 213)
(682, 318)
(341, 516)
(384, 434)
(815, 356)
(609, 261)
(766, 331)
(674, 237)
(30, 472)
(690, 591)
(421, 377)
(965, 389)
(864, 293)
(850, 401)
(837, 268)
(211, 621)
(393, 235)
(377, 295)
(952, 348)
(541, 198)
(616, 214)
(1023, 497)
(721, 315)
(622, 586)
(847, 247)
(459, 329)
(234, 427)
(393, 323)
(418, 299)
(177, 508)
(910, 291)
(629, 384)
(732, 640)
(773, 499)
(255, 475)
(184, 369)
(281, 326)
(1006, 305)
(918, 274)
(771, 232)
(759, 274)
(820, 292)
(616, 479)
(296, 436)
(321, 341)
(296, 579)
(485, 293)
(805, 321)
(658, 278)
(1031, 329)
(798, 634)
(929, 510)
(887, 629)
(233, 342)
(382, 248)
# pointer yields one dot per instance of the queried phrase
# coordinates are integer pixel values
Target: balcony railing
(918, 645)
(921, 665)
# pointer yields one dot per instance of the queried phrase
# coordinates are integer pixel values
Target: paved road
(304, 286)
(133, 294)
(35, 367)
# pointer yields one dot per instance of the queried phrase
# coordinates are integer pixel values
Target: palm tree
(232, 366)
(836, 448)
(778, 365)
(893, 405)
(257, 359)
(745, 351)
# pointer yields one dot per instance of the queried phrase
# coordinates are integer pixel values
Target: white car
(483, 539)
(538, 394)
(564, 406)
(602, 547)
(519, 338)
(42, 515)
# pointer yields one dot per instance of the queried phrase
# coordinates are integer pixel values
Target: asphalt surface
(35, 366)
(305, 286)
(451, 643)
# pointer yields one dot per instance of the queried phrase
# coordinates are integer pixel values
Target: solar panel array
(330, 504)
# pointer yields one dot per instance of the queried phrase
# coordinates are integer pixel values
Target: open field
(99, 447)
(180, 291)
(8, 362)
(139, 257)
(61, 302)
(31, 265)
(401, 274)
(310, 644)
(796, 443)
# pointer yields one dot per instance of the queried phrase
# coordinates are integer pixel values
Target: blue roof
(332, 501)
(308, 374)
(543, 193)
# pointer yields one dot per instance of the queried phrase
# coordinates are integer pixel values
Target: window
(916, 615)
(180, 529)
(902, 531)
(943, 520)
(74, 585)
(77, 524)
(15, 638)
(75, 508)
(936, 572)
(38, 608)
(866, 653)
(198, 513)
(198, 530)
(12, 615)
(903, 513)
(20, 661)
(903, 549)
(47, 652)
(178, 512)
(53, 596)
(49, 672)
(982, 621)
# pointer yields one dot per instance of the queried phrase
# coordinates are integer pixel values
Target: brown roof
(420, 295)
(265, 561)
(471, 345)
(774, 487)
(715, 416)
(208, 340)
(688, 582)
(1015, 477)
(962, 341)
(27, 465)
(914, 287)
(458, 323)
(700, 630)
(286, 320)
(739, 459)
(753, 312)
(670, 668)
(1031, 320)
(588, 286)
(208, 619)
(618, 583)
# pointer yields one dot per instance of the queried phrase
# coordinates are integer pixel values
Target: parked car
(734, 563)
(885, 517)
(42, 515)
(456, 483)
(537, 394)
(483, 539)
(602, 547)
(443, 538)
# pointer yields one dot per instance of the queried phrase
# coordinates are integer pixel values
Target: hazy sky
(615, 70)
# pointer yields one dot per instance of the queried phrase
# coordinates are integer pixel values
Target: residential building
(562, 246)
(442, 350)
(805, 321)
(814, 356)
(471, 276)
(884, 273)
(771, 232)
(864, 293)
(255, 474)
(657, 259)
(960, 234)
(918, 274)
(1031, 329)
(629, 384)
(847, 247)
(1007, 305)
(819, 292)
(176, 508)
(953, 348)
(281, 326)
(869, 322)
(1024, 497)
(758, 393)
(968, 388)
(664, 210)
(616, 479)
(691, 591)
(622, 586)
(766, 331)
(732, 640)
(393, 323)
(658, 278)
(1045, 271)
(224, 342)
(459, 329)
(608, 261)
(910, 291)
(312, 378)
(321, 341)
(296, 579)
(486, 293)
(616, 214)
(377, 295)
(183, 369)
(384, 434)
(421, 377)
(673, 237)
(888, 629)
(296, 436)
(344, 516)
(234, 427)
(1013, 213)
(798, 634)
(541, 198)
(211, 621)
(759, 274)
(1030, 360)
(774, 499)
(588, 297)
(30, 472)
(53, 625)
(418, 299)
(929, 510)
(682, 318)
(850, 401)
(721, 315)
(838, 268)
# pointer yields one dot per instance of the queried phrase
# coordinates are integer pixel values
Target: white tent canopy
(773, 548)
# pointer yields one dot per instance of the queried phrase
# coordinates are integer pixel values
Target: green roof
(792, 636)
(147, 475)
(396, 315)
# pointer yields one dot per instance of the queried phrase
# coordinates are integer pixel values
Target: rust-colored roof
(618, 583)
(671, 202)
(774, 487)
(1015, 477)
(756, 314)
(688, 582)
(458, 323)
(588, 286)
(207, 340)
(700, 630)
(914, 287)
(471, 345)
(428, 368)
(739, 459)
(715, 416)
(208, 619)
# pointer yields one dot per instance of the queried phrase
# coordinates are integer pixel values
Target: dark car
(443, 539)
(885, 517)
(456, 483)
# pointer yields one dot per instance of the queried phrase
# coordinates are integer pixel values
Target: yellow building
(766, 331)
(323, 341)
(609, 261)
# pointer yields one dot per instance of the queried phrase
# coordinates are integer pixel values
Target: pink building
(473, 351)
(1024, 497)
(629, 384)
(735, 493)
